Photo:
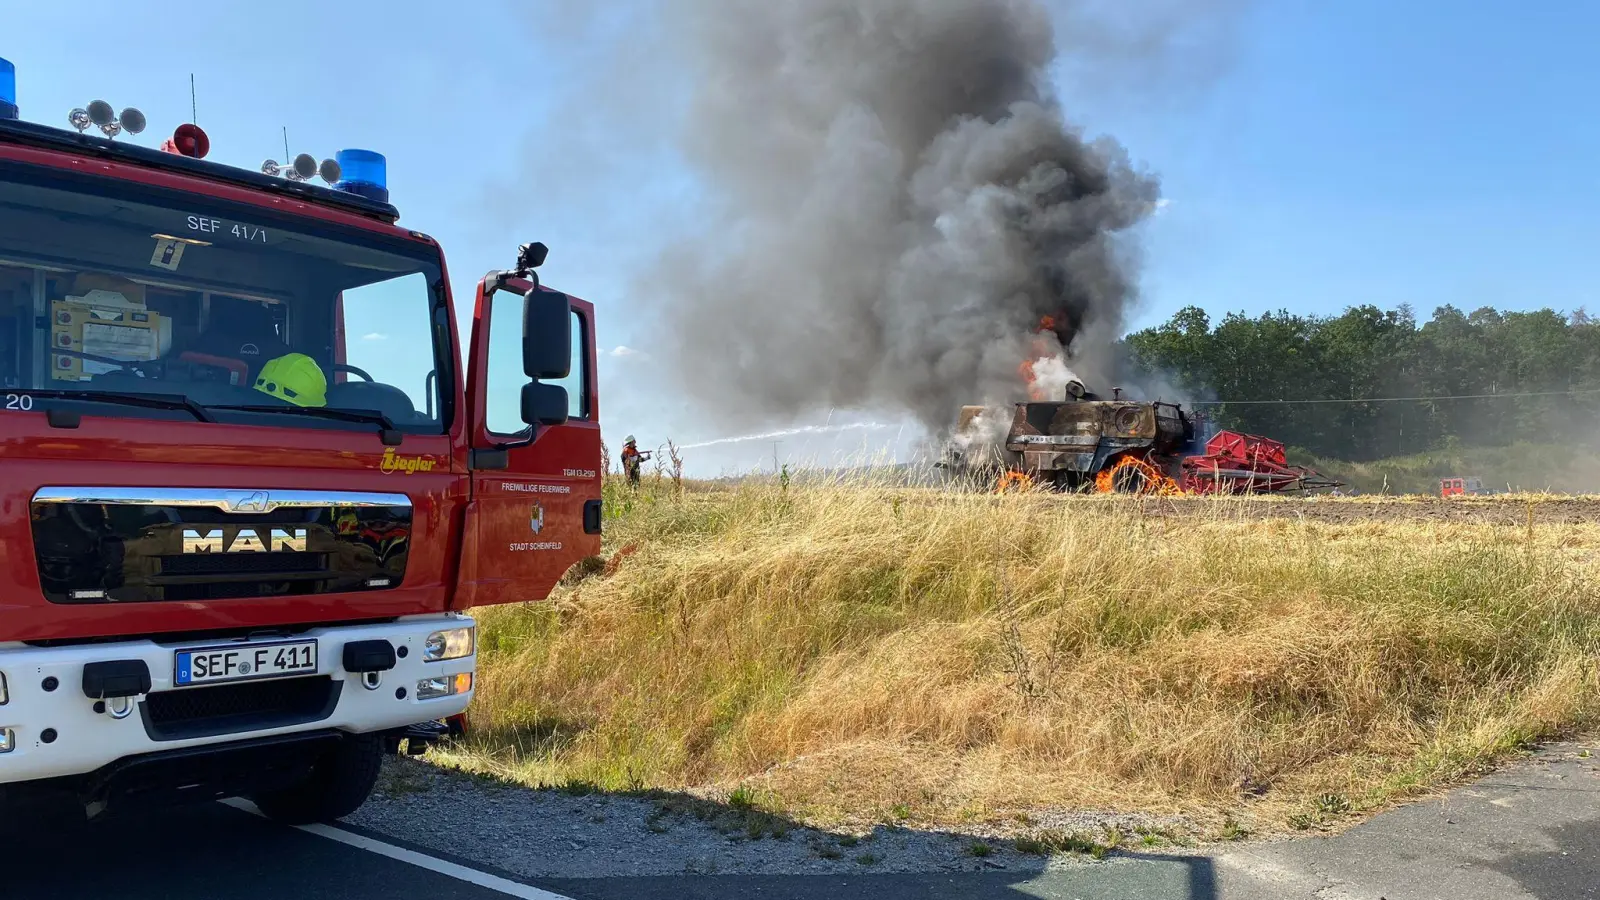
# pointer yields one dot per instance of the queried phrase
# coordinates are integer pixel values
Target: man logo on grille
(247, 540)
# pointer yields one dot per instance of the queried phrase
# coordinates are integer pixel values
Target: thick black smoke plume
(897, 203)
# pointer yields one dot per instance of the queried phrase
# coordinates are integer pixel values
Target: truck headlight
(8, 740)
(450, 644)
(444, 686)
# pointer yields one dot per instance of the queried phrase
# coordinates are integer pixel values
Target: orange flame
(1013, 480)
(1038, 349)
(1026, 371)
(1135, 475)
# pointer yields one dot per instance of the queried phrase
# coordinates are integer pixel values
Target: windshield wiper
(387, 432)
(149, 401)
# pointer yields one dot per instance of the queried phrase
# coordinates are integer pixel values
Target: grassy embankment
(857, 652)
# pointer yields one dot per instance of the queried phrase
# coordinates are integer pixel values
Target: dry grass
(856, 651)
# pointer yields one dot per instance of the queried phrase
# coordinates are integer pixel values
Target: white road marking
(420, 860)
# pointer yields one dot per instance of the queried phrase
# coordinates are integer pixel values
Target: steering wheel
(354, 370)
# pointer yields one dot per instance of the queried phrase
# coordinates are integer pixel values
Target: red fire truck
(249, 484)
(1460, 487)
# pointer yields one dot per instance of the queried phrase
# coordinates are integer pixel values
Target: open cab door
(534, 425)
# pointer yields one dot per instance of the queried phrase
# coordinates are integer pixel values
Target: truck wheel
(336, 788)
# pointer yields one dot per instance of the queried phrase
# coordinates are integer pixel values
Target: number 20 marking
(19, 401)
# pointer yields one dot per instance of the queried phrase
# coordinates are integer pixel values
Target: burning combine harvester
(1088, 443)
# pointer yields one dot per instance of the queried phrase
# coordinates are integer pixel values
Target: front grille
(229, 590)
(252, 563)
(238, 708)
(97, 550)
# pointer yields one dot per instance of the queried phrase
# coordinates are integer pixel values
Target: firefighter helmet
(294, 378)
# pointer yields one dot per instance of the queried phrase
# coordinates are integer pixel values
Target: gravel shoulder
(1530, 830)
(554, 834)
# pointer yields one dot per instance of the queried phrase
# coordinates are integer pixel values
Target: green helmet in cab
(294, 378)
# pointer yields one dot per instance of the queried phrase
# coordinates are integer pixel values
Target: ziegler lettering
(393, 462)
(246, 540)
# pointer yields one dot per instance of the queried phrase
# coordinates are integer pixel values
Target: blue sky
(1424, 152)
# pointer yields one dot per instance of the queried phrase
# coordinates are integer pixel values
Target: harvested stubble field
(854, 652)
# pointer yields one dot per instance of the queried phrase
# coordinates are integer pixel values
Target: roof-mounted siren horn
(363, 173)
(132, 120)
(102, 115)
(302, 168)
(188, 140)
(8, 89)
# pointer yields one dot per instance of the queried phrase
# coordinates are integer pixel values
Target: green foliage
(1366, 353)
(1332, 804)
(1056, 841)
(742, 798)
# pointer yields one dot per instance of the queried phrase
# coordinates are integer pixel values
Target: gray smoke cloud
(897, 201)
(886, 196)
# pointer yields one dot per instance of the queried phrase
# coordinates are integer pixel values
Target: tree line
(1368, 353)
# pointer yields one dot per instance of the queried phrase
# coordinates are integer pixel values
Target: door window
(506, 378)
(388, 338)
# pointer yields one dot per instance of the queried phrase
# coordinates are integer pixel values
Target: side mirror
(546, 335)
(544, 404)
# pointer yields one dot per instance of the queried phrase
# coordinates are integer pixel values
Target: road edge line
(420, 860)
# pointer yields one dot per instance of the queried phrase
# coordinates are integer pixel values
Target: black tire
(1130, 481)
(1066, 481)
(337, 786)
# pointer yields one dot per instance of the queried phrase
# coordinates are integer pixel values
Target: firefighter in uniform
(632, 460)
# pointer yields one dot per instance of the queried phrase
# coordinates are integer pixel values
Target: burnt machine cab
(1068, 442)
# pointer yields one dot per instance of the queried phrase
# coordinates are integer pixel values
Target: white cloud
(375, 336)
(622, 351)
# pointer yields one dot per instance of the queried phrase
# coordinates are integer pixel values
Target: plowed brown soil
(1510, 511)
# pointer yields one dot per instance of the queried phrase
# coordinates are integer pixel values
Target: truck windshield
(110, 293)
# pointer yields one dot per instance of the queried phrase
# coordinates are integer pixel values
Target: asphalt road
(1532, 831)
